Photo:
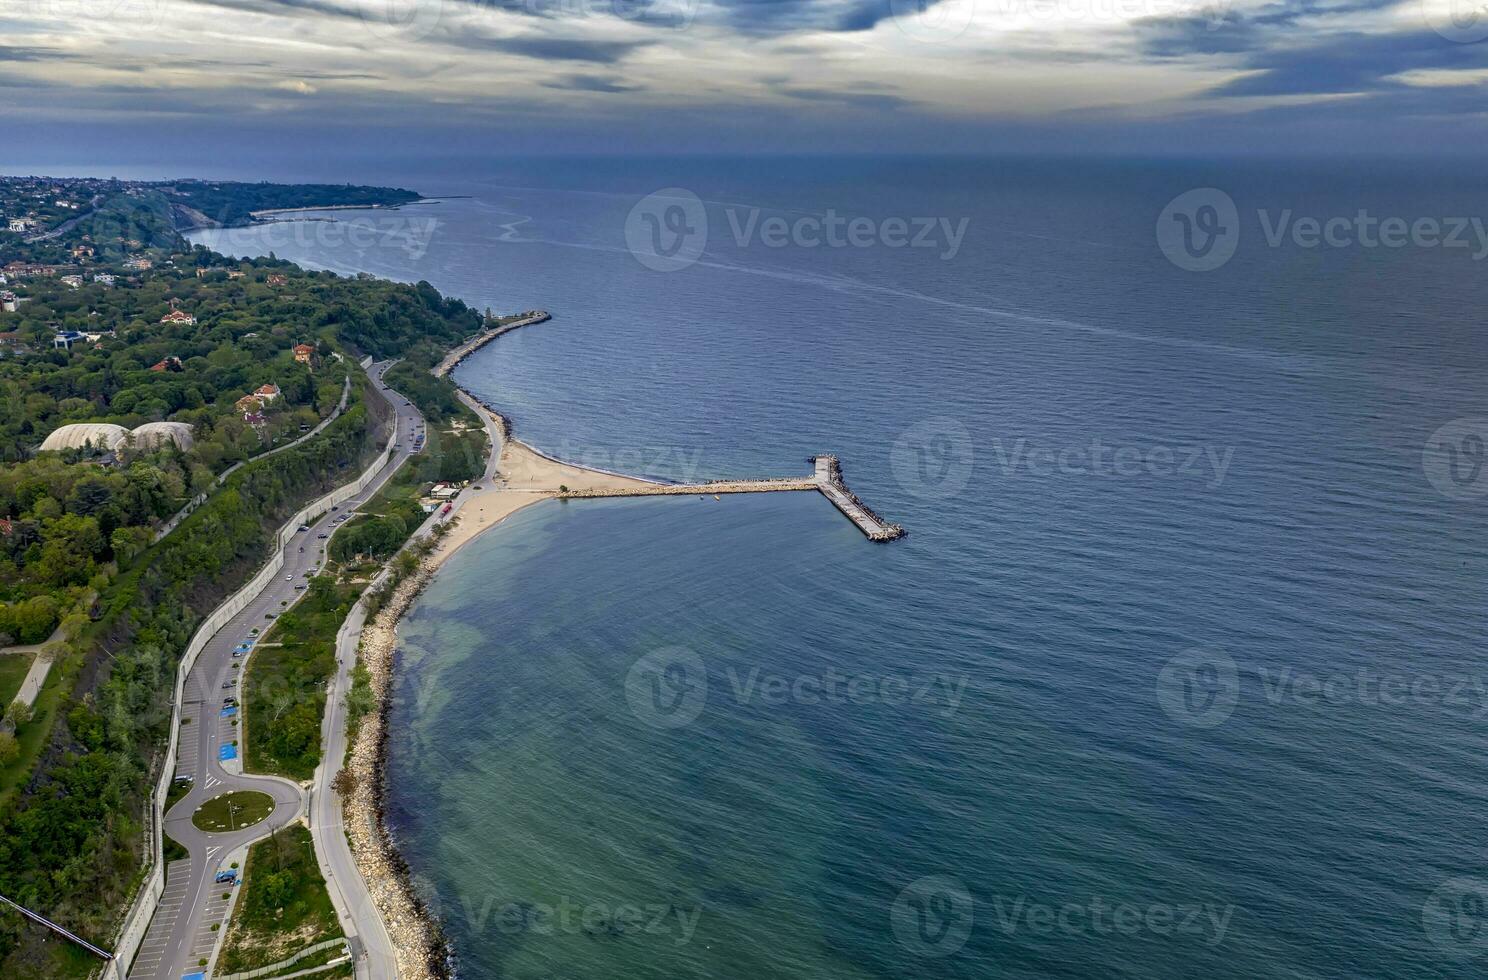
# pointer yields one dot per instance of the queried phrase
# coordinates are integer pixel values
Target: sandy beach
(518, 476)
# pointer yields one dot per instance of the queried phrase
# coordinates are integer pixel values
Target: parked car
(226, 878)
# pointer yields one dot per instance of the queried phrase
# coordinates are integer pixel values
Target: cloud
(1350, 63)
(9, 53)
(858, 100)
(590, 83)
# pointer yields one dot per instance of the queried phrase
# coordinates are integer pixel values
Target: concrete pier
(826, 480)
(829, 480)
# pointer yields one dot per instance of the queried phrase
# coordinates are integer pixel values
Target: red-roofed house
(303, 353)
(167, 364)
(179, 316)
(267, 392)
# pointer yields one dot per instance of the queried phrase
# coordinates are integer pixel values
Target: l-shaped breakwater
(827, 480)
(521, 468)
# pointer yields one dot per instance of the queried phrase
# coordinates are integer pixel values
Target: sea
(1178, 671)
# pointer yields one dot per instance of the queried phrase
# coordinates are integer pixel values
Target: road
(176, 940)
(371, 945)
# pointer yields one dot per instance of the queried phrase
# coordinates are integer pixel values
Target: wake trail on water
(1292, 363)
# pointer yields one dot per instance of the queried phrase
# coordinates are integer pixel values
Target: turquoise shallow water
(1218, 712)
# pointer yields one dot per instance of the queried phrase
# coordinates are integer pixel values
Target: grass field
(284, 691)
(33, 735)
(233, 811)
(13, 667)
(284, 906)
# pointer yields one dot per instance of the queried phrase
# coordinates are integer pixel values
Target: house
(167, 364)
(76, 282)
(277, 280)
(9, 302)
(303, 353)
(104, 277)
(21, 225)
(138, 264)
(267, 392)
(24, 269)
(94, 336)
(236, 274)
(82, 251)
(248, 403)
(443, 491)
(179, 317)
(66, 338)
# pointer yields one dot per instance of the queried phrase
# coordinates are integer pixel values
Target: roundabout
(232, 811)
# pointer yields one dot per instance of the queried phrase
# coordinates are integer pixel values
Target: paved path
(177, 940)
(201, 498)
(35, 677)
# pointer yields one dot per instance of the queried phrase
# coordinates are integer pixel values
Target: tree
(10, 749)
(19, 713)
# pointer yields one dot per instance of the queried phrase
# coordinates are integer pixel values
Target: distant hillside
(233, 203)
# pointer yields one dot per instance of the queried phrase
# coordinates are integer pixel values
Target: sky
(234, 85)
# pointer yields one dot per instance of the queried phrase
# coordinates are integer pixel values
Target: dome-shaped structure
(100, 435)
(153, 435)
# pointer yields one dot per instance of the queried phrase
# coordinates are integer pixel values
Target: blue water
(1044, 725)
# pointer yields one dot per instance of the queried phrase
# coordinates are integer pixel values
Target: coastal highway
(372, 947)
(181, 934)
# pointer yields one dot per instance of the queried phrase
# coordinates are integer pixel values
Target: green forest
(157, 332)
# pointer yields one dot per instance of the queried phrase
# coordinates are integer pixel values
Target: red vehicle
(447, 508)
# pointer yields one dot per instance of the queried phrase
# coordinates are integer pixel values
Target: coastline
(516, 476)
(422, 949)
(258, 216)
